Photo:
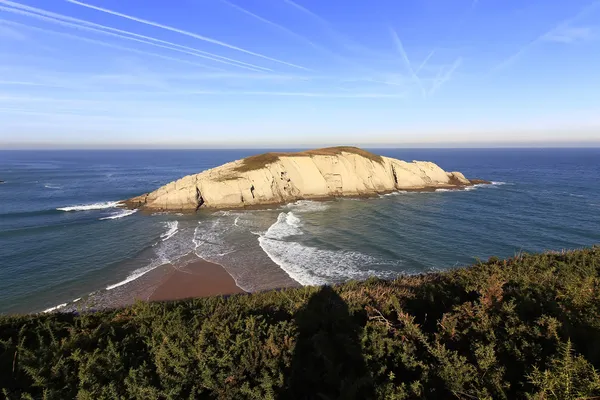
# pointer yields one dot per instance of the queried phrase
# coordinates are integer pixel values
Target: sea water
(63, 237)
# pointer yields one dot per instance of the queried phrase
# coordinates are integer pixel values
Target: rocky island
(274, 178)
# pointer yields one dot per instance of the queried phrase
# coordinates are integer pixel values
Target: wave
(173, 227)
(491, 184)
(308, 206)
(313, 266)
(156, 214)
(132, 277)
(287, 225)
(209, 240)
(395, 193)
(119, 214)
(88, 207)
(51, 186)
(49, 310)
(166, 252)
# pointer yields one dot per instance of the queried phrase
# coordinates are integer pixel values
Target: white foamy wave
(396, 193)
(443, 190)
(156, 214)
(51, 186)
(312, 266)
(133, 276)
(119, 214)
(166, 251)
(88, 207)
(490, 185)
(308, 206)
(172, 228)
(469, 188)
(209, 240)
(287, 225)
(54, 308)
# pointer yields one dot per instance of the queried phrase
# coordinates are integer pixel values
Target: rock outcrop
(274, 178)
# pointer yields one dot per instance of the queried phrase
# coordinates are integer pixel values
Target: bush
(527, 327)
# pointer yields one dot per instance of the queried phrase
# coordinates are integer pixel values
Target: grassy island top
(526, 327)
(261, 160)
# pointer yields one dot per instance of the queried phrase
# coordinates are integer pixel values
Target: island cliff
(274, 178)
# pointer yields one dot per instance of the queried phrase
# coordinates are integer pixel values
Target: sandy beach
(195, 278)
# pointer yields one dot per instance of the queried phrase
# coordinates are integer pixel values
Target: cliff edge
(274, 178)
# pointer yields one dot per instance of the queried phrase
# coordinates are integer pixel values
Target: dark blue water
(60, 239)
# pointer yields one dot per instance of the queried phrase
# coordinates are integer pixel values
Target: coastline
(127, 204)
(188, 277)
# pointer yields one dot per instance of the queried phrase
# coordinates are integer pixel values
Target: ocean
(62, 239)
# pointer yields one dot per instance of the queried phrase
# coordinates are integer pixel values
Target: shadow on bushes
(328, 362)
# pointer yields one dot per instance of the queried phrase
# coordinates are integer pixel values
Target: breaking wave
(119, 214)
(52, 186)
(313, 266)
(172, 228)
(88, 207)
(168, 250)
(302, 206)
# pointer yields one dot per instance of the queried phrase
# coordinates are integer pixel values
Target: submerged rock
(274, 178)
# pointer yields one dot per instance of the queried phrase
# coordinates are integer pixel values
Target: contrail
(90, 29)
(321, 20)
(509, 60)
(25, 83)
(105, 44)
(308, 12)
(23, 9)
(186, 33)
(286, 30)
(346, 42)
(211, 92)
(404, 56)
(431, 53)
(439, 82)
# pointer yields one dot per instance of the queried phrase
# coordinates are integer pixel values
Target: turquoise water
(61, 238)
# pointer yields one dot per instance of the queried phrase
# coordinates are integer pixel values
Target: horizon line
(440, 145)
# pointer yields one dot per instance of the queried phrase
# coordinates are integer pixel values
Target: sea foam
(88, 207)
(52, 186)
(119, 214)
(172, 228)
(302, 206)
(309, 265)
(168, 250)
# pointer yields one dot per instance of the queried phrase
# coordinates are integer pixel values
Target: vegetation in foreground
(527, 327)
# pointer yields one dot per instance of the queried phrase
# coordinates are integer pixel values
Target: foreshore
(194, 278)
(188, 277)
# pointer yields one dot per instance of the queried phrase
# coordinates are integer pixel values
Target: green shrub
(527, 327)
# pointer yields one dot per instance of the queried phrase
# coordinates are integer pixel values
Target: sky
(262, 73)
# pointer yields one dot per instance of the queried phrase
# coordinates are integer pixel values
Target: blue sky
(301, 72)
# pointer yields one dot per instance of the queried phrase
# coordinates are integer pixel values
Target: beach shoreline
(188, 277)
(194, 278)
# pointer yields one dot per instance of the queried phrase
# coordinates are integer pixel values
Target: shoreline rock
(276, 178)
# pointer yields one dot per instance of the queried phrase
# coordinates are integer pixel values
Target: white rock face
(293, 177)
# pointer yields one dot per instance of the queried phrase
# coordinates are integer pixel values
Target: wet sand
(196, 278)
